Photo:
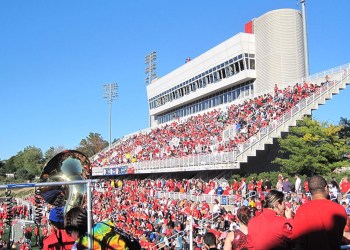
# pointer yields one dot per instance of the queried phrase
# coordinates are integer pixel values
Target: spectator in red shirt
(58, 239)
(235, 186)
(319, 223)
(306, 185)
(344, 185)
(272, 228)
(251, 187)
(205, 206)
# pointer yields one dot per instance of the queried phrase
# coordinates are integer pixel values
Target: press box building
(270, 51)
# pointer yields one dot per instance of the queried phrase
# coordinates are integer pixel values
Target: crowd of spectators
(164, 222)
(203, 133)
(161, 222)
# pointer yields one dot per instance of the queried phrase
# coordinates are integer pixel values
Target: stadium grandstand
(222, 110)
(217, 114)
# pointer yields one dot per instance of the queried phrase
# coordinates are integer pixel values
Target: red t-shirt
(205, 206)
(235, 186)
(259, 185)
(344, 187)
(58, 240)
(269, 231)
(306, 186)
(250, 186)
(319, 224)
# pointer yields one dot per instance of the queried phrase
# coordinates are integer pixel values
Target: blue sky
(56, 55)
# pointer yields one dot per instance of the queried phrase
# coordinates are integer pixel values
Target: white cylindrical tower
(279, 48)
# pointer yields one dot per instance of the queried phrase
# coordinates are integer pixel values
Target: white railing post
(191, 233)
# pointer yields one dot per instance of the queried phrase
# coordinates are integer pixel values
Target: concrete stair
(339, 81)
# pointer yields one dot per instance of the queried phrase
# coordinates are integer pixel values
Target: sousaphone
(69, 165)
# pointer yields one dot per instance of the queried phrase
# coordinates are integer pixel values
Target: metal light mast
(110, 92)
(150, 71)
(306, 50)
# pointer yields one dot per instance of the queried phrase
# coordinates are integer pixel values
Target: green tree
(92, 144)
(2, 168)
(52, 151)
(11, 165)
(345, 131)
(30, 160)
(312, 147)
(23, 174)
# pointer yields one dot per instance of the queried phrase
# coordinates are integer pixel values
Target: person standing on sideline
(319, 223)
(243, 188)
(287, 185)
(297, 184)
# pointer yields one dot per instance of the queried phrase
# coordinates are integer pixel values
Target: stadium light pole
(306, 50)
(151, 66)
(110, 92)
(150, 71)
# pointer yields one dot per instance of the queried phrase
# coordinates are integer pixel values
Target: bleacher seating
(203, 133)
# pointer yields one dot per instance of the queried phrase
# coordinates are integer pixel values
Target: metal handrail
(296, 110)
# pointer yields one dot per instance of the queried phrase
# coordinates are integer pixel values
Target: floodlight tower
(110, 92)
(150, 71)
(306, 50)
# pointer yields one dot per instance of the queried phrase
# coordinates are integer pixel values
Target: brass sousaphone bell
(69, 165)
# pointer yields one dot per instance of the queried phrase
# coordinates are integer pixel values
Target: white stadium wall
(279, 48)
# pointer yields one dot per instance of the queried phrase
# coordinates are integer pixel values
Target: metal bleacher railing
(223, 199)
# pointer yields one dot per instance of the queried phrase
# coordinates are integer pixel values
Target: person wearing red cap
(58, 239)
